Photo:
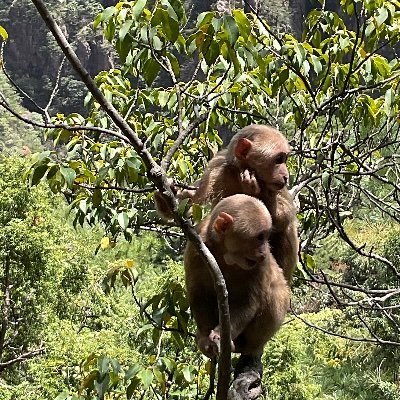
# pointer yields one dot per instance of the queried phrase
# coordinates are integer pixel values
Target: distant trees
(28, 267)
(332, 92)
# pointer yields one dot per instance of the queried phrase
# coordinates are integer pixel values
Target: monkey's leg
(247, 382)
(248, 362)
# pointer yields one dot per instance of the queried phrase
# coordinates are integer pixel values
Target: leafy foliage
(329, 90)
(333, 92)
(16, 137)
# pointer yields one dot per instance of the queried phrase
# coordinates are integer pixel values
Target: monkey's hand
(209, 345)
(248, 183)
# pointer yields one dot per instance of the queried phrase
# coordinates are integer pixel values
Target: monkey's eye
(281, 158)
(261, 236)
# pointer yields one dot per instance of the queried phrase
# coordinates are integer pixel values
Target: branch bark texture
(158, 176)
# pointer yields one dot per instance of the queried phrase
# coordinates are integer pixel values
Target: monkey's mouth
(250, 262)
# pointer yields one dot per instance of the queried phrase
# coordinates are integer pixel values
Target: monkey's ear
(223, 222)
(242, 148)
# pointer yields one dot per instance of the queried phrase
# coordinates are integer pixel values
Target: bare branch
(376, 341)
(22, 357)
(159, 178)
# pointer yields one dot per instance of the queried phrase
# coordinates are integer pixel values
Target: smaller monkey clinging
(237, 233)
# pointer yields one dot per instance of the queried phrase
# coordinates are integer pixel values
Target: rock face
(33, 58)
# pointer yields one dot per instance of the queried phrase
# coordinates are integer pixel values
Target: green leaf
(3, 33)
(126, 26)
(132, 371)
(310, 262)
(283, 76)
(163, 97)
(103, 363)
(108, 13)
(182, 167)
(183, 206)
(212, 53)
(174, 64)
(170, 27)
(197, 213)
(151, 69)
(382, 16)
(102, 386)
(62, 396)
(83, 206)
(187, 373)
(97, 197)
(132, 387)
(316, 64)
(231, 29)
(242, 22)
(38, 174)
(300, 53)
(205, 18)
(138, 8)
(146, 375)
(177, 6)
(390, 97)
(69, 175)
(123, 220)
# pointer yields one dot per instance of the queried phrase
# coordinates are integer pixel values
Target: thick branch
(159, 178)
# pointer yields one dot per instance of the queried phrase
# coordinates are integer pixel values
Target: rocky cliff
(33, 58)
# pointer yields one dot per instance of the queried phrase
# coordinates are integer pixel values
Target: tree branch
(159, 178)
(20, 358)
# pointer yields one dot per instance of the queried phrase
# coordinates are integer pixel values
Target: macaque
(254, 163)
(237, 232)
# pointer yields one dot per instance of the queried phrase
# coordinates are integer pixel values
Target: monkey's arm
(285, 248)
(241, 316)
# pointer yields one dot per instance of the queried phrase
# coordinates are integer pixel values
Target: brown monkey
(237, 232)
(254, 163)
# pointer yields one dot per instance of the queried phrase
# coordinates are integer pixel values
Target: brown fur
(237, 233)
(226, 175)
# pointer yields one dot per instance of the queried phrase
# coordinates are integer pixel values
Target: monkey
(254, 163)
(236, 233)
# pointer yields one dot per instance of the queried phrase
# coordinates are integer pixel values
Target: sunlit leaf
(146, 375)
(3, 33)
(231, 28)
(105, 242)
(123, 220)
(69, 175)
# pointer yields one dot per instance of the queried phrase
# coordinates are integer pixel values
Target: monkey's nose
(261, 256)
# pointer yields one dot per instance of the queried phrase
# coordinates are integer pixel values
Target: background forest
(93, 304)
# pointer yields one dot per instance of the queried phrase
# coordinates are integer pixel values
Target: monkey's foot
(210, 345)
(247, 363)
(246, 386)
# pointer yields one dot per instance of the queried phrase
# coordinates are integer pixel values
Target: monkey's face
(240, 229)
(246, 251)
(271, 170)
(266, 155)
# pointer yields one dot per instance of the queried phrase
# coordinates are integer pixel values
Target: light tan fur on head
(241, 225)
(268, 139)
